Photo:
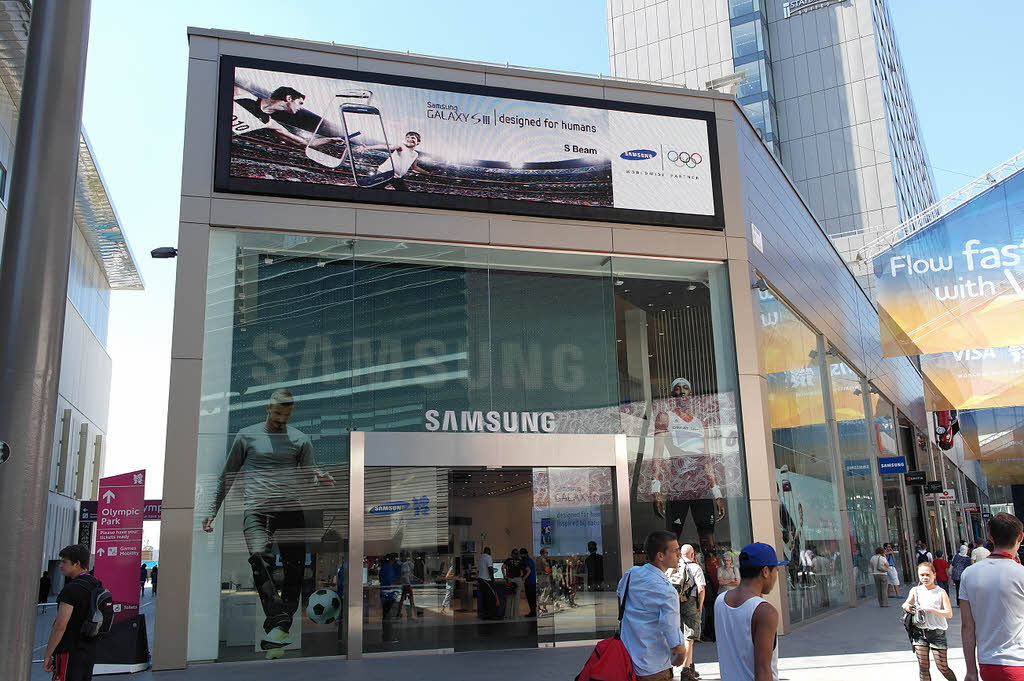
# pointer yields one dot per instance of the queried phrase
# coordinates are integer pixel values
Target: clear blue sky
(960, 60)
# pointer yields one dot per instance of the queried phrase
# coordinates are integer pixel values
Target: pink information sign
(119, 539)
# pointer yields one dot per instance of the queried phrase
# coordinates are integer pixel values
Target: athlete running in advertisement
(684, 472)
(274, 464)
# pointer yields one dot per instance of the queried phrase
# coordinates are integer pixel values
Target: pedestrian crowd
(662, 600)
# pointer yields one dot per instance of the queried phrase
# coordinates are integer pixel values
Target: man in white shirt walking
(650, 621)
(992, 606)
(745, 623)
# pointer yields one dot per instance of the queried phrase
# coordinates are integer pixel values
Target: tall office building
(823, 83)
(101, 262)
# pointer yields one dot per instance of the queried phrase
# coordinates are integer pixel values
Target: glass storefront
(679, 405)
(859, 464)
(309, 338)
(793, 355)
(893, 489)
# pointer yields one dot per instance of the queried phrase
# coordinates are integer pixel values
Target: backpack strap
(622, 603)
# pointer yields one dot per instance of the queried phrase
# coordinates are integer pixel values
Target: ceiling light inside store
(619, 282)
(691, 287)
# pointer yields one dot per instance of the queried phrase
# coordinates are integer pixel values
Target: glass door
(473, 558)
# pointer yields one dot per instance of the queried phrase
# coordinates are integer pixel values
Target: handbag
(912, 621)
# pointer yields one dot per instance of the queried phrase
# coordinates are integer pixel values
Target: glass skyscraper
(821, 81)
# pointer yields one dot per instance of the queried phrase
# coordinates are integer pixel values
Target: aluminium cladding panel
(801, 264)
(515, 145)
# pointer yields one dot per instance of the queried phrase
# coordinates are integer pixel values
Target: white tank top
(931, 598)
(735, 645)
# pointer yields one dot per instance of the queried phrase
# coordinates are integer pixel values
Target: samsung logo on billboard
(489, 422)
(389, 509)
(638, 154)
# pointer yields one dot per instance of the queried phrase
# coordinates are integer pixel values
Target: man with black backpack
(71, 649)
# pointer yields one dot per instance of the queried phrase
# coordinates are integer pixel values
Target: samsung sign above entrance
(489, 421)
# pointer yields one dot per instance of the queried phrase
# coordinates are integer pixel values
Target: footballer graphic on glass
(273, 464)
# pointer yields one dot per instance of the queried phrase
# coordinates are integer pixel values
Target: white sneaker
(276, 638)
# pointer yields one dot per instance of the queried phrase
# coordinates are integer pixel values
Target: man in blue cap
(745, 623)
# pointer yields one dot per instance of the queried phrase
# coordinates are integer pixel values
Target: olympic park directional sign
(150, 511)
(116, 564)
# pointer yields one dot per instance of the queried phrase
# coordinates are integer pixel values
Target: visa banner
(992, 434)
(974, 379)
(954, 284)
(1004, 472)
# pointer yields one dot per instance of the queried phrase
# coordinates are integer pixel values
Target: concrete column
(33, 286)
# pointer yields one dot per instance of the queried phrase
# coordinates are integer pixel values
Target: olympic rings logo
(683, 158)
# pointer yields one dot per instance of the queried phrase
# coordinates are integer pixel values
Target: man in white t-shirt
(992, 606)
(485, 565)
(979, 554)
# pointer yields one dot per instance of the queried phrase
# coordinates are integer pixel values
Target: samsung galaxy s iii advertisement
(354, 136)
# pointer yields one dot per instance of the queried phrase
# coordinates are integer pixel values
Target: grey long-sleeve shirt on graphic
(273, 468)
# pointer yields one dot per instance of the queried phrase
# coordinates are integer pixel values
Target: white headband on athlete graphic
(680, 381)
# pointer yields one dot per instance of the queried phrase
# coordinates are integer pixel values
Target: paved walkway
(854, 644)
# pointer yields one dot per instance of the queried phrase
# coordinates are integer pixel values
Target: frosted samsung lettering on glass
(288, 132)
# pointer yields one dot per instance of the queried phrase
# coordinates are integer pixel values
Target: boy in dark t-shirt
(69, 656)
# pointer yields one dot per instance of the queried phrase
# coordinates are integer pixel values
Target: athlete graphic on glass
(274, 464)
(684, 473)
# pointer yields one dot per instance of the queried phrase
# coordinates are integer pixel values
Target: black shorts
(702, 510)
(930, 638)
(76, 665)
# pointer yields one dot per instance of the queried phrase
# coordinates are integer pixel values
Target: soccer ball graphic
(324, 606)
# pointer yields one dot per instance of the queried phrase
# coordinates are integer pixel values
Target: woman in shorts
(931, 608)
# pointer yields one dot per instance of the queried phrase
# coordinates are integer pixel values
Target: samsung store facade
(426, 308)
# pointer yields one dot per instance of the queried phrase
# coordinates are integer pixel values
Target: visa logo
(638, 154)
(960, 355)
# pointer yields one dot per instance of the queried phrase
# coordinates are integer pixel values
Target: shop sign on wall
(489, 422)
(795, 7)
(892, 464)
(944, 495)
(915, 477)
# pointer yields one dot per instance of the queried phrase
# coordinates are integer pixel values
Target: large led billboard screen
(313, 132)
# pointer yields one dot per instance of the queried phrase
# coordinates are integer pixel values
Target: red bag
(610, 660)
